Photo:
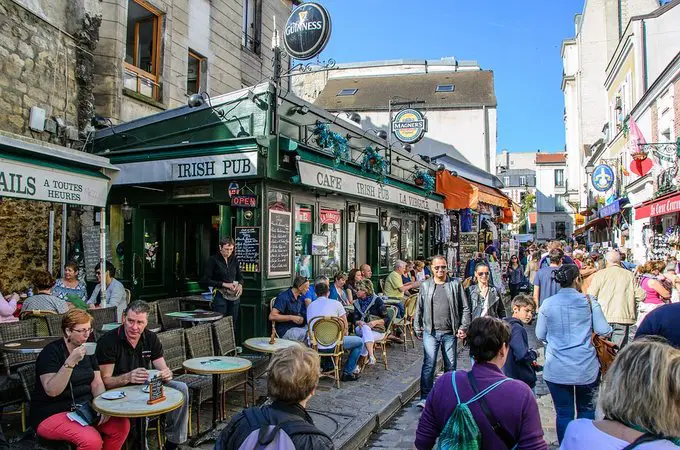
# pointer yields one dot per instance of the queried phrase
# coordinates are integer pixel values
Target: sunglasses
(439, 267)
(482, 274)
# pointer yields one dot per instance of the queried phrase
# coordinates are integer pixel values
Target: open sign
(244, 201)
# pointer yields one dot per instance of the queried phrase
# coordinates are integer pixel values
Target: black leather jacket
(217, 271)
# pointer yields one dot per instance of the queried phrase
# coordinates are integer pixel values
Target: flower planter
(419, 181)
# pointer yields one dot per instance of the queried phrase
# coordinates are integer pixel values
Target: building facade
(554, 219)
(517, 172)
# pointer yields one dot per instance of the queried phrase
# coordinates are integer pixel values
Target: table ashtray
(113, 395)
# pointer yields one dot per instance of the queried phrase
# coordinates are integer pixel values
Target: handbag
(605, 349)
(84, 410)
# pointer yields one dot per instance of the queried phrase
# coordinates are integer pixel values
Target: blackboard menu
(91, 249)
(248, 248)
(279, 243)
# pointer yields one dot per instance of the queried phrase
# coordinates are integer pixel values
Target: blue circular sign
(602, 178)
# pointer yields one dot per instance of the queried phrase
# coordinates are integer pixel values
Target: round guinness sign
(307, 32)
(409, 126)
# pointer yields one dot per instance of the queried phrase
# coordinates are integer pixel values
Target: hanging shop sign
(610, 209)
(329, 216)
(307, 32)
(244, 201)
(32, 182)
(334, 180)
(233, 188)
(211, 167)
(409, 126)
(603, 178)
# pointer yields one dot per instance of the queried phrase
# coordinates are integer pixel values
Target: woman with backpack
(482, 408)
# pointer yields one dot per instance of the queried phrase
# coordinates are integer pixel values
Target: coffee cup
(152, 373)
(90, 348)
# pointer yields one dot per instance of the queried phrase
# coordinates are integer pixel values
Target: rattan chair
(27, 379)
(17, 330)
(40, 318)
(153, 319)
(381, 283)
(169, 305)
(225, 345)
(328, 332)
(271, 307)
(389, 326)
(54, 324)
(102, 316)
(199, 344)
(406, 323)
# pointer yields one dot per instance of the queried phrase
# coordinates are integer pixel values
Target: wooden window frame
(201, 60)
(155, 54)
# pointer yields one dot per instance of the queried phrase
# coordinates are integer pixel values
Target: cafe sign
(409, 126)
(332, 180)
(210, 167)
(307, 31)
(31, 182)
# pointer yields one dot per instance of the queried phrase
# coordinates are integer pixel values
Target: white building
(517, 172)
(457, 98)
(554, 220)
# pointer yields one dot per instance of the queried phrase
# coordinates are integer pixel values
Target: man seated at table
(125, 354)
(366, 272)
(323, 306)
(394, 284)
(310, 296)
(289, 311)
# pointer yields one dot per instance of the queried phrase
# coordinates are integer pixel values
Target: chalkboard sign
(248, 248)
(91, 249)
(279, 243)
(156, 393)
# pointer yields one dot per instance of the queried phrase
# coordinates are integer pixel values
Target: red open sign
(244, 201)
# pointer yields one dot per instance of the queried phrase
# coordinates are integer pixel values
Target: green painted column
(225, 221)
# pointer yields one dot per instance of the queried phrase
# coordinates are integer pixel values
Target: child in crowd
(521, 359)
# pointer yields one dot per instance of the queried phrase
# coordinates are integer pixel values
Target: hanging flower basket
(639, 155)
(424, 179)
(330, 140)
(373, 162)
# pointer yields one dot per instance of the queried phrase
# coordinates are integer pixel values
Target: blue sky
(519, 40)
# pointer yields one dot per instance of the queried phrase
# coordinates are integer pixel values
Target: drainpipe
(487, 143)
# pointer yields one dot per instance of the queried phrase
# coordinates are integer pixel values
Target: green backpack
(461, 431)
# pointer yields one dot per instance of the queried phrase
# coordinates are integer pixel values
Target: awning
(589, 225)
(532, 217)
(667, 204)
(35, 170)
(491, 196)
(459, 193)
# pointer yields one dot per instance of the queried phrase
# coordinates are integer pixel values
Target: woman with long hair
(533, 265)
(587, 272)
(485, 299)
(656, 294)
(515, 275)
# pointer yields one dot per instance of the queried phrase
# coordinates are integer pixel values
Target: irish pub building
(251, 165)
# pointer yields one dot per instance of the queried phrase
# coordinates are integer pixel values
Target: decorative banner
(409, 126)
(307, 32)
(610, 209)
(603, 178)
(329, 216)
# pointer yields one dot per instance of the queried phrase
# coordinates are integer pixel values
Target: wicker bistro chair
(200, 343)
(169, 305)
(17, 330)
(406, 323)
(389, 326)
(40, 318)
(225, 345)
(27, 379)
(271, 307)
(102, 316)
(328, 332)
(54, 324)
(153, 321)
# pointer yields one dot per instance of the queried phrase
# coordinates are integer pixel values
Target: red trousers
(108, 436)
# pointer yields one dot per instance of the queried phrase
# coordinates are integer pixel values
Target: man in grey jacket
(442, 316)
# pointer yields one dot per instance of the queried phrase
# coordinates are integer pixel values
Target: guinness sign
(307, 32)
(409, 126)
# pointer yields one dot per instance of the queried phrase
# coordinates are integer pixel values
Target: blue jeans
(431, 344)
(354, 344)
(565, 395)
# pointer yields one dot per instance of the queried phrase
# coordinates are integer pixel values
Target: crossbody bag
(365, 315)
(496, 426)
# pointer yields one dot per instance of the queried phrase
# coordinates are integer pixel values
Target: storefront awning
(35, 170)
(589, 225)
(491, 196)
(459, 192)
(667, 204)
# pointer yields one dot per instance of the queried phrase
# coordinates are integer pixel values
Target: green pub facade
(300, 190)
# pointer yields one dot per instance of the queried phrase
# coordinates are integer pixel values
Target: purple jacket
(513, 404)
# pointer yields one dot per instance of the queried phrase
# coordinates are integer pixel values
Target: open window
(142, 49)
(252, 25)
(196, 71)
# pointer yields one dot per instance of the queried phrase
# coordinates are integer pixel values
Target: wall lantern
(126, 211)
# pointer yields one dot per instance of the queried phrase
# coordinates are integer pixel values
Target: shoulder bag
(605, 349)
(496, 426)
(367, 317)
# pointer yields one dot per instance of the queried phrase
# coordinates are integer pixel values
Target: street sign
(409, 126)
(307, 32)
(603, 178)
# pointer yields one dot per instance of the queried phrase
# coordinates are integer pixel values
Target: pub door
(152, 253)
(195, 239)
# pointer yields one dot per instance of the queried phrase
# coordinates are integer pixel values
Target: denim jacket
(566, 323)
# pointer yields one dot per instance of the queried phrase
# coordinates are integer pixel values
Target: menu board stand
(279, 258)
(156, 393)
(248, 248)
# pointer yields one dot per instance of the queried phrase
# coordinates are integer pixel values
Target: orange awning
(532, 217)
(507, 216)
(458, 192)
(491, 196)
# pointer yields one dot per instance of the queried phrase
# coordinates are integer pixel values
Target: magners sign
(307, 32)
(409, 126)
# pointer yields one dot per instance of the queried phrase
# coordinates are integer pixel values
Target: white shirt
(323, 306)
(581, 433)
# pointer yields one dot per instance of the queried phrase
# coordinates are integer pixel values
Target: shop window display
(331, 227)
(304, 229)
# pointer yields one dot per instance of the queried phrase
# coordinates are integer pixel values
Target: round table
(215, 366)
(28, 345)
(134, 405)
(262, 345)
(197, 316)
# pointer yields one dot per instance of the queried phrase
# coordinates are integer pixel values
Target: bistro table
(215, 366)
(196, 317)
(134, 406)
(262, 345)
(196, 300)
(28, 345)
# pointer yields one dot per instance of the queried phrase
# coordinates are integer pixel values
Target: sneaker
(349, 376)
(371, 360)
(421, 404)
(357, 370)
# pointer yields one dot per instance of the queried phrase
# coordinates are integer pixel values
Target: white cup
(152, 373)
(90, 348)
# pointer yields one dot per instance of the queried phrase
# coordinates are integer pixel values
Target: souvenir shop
(661, 232)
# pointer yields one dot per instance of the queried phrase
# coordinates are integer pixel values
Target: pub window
(142, 49)
(304, 229)
(252, 25)
(331, 227)
(196, 70)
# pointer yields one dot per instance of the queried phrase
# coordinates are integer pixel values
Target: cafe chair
(128, 296)
(40, 318)
(271, 307)
(381, 283)
(54, 324)
(168, 305)
(17, 330)
(225, 345)
(154, 322)
(199, 344)
(174, 353)
(389, 326)
(101, 317)
(328, 331)
(406, 323)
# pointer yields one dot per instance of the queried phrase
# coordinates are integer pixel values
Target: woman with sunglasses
(485, 299)
(115, 291)
(515, 276)
(67, 381)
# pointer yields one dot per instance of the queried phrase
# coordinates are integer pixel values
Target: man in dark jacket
(223, 274)
(292, 380)
(519, 364)
(442, 315)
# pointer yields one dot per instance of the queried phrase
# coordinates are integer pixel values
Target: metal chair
(17, 330)
(54, 324)
(389, 326)
(225, 345)
(200, 343)
(40, 318)
(168, 305)
(328, 332)
(406, 323)
(271, 307)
